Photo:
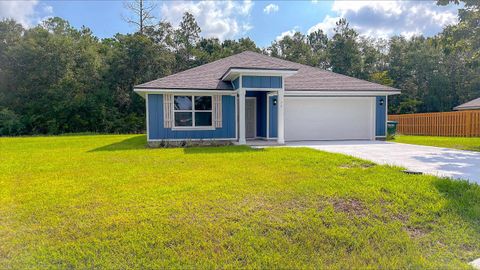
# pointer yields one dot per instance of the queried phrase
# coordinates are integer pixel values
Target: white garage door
(329, 118)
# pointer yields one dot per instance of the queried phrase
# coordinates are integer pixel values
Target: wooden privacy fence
(460, 123)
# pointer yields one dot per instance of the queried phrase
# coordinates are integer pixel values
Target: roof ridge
(319, 69)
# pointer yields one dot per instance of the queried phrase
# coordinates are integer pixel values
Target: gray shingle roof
(471, 105)
(208, 76)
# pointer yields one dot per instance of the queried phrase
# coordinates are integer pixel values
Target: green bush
(10, 123)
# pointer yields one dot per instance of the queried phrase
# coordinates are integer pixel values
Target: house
(254, 96)
(471, 105)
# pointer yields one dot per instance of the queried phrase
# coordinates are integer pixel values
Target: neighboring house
(471, 105)
(254, 96)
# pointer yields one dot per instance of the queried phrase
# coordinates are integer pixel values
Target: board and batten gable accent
(261, 82)
(157, 131)
(381, 116)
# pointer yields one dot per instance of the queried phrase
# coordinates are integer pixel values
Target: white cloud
(28, 12)
(387, 18)
(290, 33)
(271, 8)
(220, 19)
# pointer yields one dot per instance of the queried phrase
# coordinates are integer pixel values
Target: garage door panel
(328, 118)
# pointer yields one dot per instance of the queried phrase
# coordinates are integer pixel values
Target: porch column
(280, 117)
(241, 116)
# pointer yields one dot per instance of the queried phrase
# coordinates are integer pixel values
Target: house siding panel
(380, 117)
(262, 114)
(273, 117)
(262, 82)
(158, 132)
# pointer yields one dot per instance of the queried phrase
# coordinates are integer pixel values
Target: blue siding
(262, 114)
(273, 117)
(158, 132)
(380, 116)
(261, 81)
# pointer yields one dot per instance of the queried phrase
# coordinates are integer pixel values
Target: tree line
(56, 79)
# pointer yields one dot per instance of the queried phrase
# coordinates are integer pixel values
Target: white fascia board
(235, 72)
(193, 140)
(263, 89)
(142, 91)
(466, 108)
(341, 93)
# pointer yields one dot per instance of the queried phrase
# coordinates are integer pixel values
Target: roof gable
(307, 78)
(471, 105)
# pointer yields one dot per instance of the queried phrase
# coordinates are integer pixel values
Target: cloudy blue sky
(263, 21)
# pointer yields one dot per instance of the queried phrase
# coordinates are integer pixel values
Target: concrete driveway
(430, 160)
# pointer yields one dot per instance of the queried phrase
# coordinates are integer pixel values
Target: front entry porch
(258, 115)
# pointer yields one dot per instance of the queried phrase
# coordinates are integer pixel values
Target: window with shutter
(193, 111)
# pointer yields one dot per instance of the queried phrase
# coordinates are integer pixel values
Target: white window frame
(193, 111)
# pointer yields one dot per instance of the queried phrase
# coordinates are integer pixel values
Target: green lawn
(107, 202)
(462, 143)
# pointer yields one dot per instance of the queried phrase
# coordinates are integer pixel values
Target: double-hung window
(192, 111)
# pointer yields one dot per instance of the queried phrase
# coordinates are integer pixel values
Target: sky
(263, 21)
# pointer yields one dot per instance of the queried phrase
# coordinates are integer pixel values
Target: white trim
(192, 111)
(241, 113)
(186, 139)
(386, 116)
(281, 114)
(143, 92)
(263, 89)
(374, 114)
(340, 93)
(255, 118)
(186, 128)
(236, 118)
(148, 125)
(257, 72)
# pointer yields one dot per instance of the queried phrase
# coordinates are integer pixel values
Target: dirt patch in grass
(415, 233)
(357, 164)
(350, 206)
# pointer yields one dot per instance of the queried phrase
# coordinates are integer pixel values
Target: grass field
(462, 143)
(107, 202)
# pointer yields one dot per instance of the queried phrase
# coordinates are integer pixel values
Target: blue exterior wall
(158, 132)
(380, 116)
(261, 111)
(261, 82)
(273, 117)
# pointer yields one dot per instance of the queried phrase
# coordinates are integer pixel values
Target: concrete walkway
(430, 160)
